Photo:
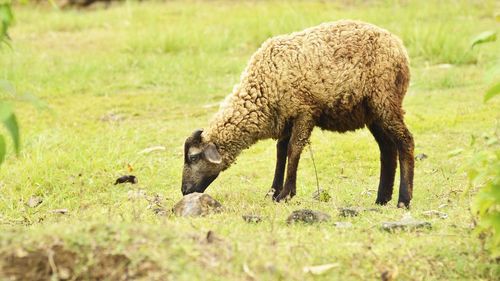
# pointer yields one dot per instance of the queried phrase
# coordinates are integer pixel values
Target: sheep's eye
(194, 157)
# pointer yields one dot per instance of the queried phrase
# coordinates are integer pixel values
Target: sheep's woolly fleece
(343, 74)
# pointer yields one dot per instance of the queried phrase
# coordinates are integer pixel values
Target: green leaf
(2, 149)
(11, 125)
(492, 91)
(5, 111)
(8, 118)
(455, 152)
(473, 139)
(6, 15)
(484, 37)
(6, 19)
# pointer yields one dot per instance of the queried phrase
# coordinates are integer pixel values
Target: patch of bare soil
(79, 3)
(56, 262)
(214, 251)
(38, 264)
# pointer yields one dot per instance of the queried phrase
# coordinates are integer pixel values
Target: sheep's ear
(212, 154)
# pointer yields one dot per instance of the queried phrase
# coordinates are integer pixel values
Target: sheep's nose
(186, 189)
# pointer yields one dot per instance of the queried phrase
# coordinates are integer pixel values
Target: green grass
(156, 65)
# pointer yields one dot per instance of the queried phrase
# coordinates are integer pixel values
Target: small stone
(319, 269)
(271, 268)
(252, 218)
(34, 201)
(434, 213)
(444, 65)
(211, 237)
(136, 194)
(406, 223)
(442, 206)
(160, 212)
(321, 195)
(376, 210)
(196, 204)
(342, 224)
(348, 212)
(421, 156)
(354, 211)
(307, 216)
(154, 201)
(64, 273)
(389, 275)
(59, 211)
(112, 117)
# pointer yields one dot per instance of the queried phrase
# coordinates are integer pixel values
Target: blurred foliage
(484, 37)
(7, 116)
(485, 172)
(492, 91)
(6, 20)
(9, 120)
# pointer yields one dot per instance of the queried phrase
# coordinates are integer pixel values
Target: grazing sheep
(339, 76)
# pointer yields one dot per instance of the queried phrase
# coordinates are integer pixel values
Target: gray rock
(354, 211)
(59, 211)
(421, 156)
(321, 195)
(252, 218)
(112, 117)
(195, 205)
(307, 216)
(34, 201)
(348, 212)
(406, 223)
(434, 213)
(342, 224)
(161, 212)
(136, 194)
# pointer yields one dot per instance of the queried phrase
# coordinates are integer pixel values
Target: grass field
(136, 75)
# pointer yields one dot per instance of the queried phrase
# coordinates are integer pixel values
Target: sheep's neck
(231, 137)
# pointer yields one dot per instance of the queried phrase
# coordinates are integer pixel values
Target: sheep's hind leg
(403, 139)
(301, 131)
(279, 172)
(388, 161)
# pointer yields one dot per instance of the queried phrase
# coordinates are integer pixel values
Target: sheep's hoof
(280, 197)
(382, 202)
(402, 204)
(272, 192)
(284, 195)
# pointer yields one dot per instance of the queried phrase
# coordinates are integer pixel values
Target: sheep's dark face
(202, 164)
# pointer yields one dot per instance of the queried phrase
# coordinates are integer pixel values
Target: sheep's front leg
(301, 131)
(279, 172)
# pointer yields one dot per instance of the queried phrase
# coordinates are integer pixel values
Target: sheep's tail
(402, 81)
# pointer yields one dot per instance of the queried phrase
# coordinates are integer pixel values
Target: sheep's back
(331, 66)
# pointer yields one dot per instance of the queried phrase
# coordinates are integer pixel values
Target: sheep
(338, 76)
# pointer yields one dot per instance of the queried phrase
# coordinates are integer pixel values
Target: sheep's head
(202, 164)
